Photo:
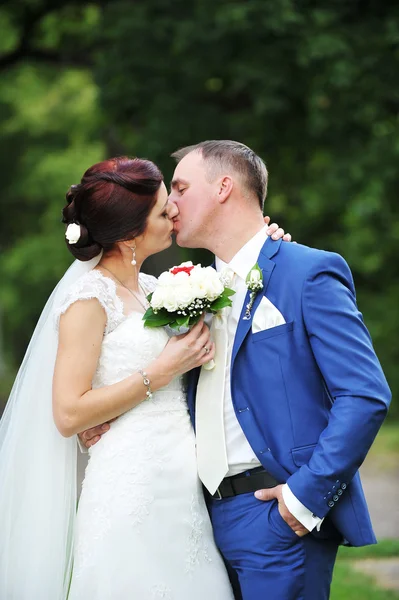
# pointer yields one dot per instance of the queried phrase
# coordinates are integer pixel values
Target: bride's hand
(181, 354)
(276, 232)
(185, 352)
(91, 436)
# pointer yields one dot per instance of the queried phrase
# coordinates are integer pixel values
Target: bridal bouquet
(183, 294)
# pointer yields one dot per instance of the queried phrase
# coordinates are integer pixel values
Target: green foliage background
(312, 86)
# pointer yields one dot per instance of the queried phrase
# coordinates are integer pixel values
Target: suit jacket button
(330, 503)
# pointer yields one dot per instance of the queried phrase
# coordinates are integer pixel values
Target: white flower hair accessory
(73, 233)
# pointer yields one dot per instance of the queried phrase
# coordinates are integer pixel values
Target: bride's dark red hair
(111, 203)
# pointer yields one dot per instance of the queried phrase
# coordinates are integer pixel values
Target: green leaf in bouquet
(194, 320)
(158, 319)
(228, 292)
(148, 313)
(220, 303)
(182, 322)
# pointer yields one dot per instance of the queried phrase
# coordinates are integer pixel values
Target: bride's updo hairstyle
(111, 204)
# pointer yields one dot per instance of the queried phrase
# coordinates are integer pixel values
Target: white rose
(198, 290)
(180, 278)
(186, 294)
(73, 233)
(254, 276)
(207, 283)
(197, 274)
(157, 297)
(213, 286)
(186, 264)
(165, 278)
(170, 298)
(198, 282)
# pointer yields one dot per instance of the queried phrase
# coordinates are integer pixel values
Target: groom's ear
(225, 187)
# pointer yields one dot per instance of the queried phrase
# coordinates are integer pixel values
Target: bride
(141, 530)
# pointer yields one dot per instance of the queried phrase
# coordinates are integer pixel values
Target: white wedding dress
(142, 529)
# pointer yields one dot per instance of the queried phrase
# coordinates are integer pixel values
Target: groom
(287, 415)
(282, 431)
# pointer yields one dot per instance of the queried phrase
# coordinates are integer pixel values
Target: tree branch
(32, 54)
(28, 20)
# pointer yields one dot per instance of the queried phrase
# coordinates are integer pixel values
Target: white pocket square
(266, 316)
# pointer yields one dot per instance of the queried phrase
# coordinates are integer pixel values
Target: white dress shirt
(240, 455)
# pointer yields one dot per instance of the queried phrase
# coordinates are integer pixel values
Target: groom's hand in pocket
(276, 493)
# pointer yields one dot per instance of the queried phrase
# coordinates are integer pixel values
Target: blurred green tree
(50, 131)
(311, 86)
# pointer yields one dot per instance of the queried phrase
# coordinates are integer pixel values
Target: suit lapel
(270, 248)
(192, 382)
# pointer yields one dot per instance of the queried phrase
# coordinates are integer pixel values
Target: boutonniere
(254, 283)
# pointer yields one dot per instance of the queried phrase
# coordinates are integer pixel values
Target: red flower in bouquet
(181, 269)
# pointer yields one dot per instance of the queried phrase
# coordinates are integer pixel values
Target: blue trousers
(265, 558)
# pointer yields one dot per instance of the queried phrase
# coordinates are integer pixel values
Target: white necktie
(211, 445)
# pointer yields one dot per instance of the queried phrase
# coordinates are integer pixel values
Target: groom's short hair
(221, 155)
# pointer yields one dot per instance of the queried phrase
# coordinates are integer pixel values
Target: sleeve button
(343, 486)
(335, 498)
(330, 503)
(339, 492)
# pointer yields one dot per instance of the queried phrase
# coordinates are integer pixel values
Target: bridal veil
(37, 471)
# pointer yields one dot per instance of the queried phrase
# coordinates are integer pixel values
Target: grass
(349, 584)
(384, 453)
(384, 549)
(387, 441)
(352, 585)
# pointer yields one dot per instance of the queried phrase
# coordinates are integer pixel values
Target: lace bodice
(127, 344)
(95, 285)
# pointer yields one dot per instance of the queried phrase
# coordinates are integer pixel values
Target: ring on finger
(206, 349)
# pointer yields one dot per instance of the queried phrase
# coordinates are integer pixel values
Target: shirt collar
(246, 257)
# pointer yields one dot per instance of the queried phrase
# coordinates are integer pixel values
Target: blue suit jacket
(310, 395)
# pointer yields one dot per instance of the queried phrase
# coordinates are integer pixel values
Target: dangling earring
(134, 261)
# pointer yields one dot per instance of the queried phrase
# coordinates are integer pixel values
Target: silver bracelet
(147, 383)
